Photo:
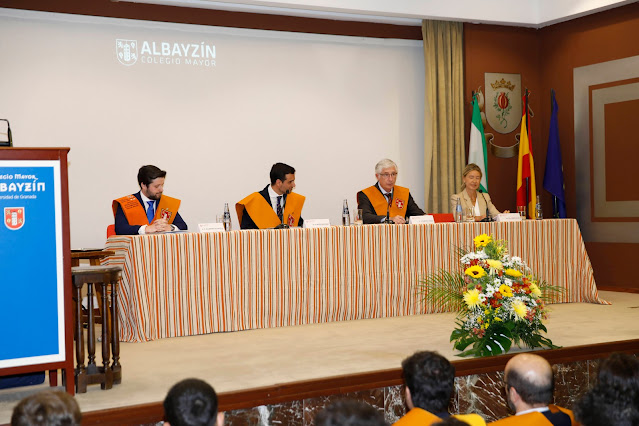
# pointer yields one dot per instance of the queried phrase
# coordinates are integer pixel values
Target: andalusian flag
(477, 149)
(526, 189)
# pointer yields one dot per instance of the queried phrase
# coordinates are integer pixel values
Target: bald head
(532, 378)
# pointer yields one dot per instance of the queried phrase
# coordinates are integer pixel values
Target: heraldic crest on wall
(503, 101)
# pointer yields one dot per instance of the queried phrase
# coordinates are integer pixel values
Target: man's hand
(160, 225)
(398, 219)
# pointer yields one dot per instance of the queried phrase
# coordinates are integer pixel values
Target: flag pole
(527, 186)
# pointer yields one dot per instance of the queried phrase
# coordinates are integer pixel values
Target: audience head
(192, 402)
(620, 371)
(350, 413)
(47, 408)
(614, 400)
(529, 382)
(429, 379)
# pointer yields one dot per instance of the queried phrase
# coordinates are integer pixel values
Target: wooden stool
(109, 373)
(94, 256)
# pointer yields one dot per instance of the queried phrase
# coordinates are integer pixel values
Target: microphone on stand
(387, 219)
(487, 218)
(283, 225)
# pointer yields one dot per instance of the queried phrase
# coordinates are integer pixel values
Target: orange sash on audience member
(380, 203)
(136, 214)
(263, 214)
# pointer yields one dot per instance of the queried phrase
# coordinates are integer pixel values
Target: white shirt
(540, 409)
(273, 195)
(476, 207)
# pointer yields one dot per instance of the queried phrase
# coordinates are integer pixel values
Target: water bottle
(346, 216)
(539, 215)
(227, 217)
(458, 211)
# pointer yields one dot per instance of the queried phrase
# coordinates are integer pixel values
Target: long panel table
(195, 283)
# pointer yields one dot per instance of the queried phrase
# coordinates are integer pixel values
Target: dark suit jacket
(247, 222)
(370, 216)
(122, 226)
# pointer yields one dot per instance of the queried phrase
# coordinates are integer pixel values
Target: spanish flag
(526, 190)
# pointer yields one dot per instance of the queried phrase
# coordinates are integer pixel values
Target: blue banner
(31, 283)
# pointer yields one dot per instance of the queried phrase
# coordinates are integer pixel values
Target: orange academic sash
(136, 215)
(416, 416)
(420, 417)
(263, 214)
(380, 203)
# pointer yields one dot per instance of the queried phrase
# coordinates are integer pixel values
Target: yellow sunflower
(475, 271)
(534, 290)
(520, 309)
(482, 240)
(513, 273)
(471, 297)
(495, 264)
(505, 290)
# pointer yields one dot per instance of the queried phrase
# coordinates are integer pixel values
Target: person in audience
(273, 205)
(429, 380)
(47, 408)
(147, 211)
(350, 413)
(472, 197)
(529, 392)
(386, 198)
(192, 402)
(614, 400)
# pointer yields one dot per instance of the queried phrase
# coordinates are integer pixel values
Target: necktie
(389, 197)
(150, 213)
(279, 207)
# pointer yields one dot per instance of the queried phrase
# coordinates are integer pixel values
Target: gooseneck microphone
(487, 218)
(387, 219)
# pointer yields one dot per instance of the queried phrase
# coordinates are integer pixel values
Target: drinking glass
(359, 217)
(522, 211)
(469, 214)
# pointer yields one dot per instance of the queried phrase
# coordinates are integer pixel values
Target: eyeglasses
(388, 175)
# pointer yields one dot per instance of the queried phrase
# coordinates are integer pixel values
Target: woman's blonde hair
(472, 167)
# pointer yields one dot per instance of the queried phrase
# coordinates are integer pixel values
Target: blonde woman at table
(472, 197)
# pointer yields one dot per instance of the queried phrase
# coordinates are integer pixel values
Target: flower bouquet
(498, 300)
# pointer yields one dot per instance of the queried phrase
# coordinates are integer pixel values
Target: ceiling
(524, 13)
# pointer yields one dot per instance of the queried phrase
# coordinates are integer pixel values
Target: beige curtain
(444, 148)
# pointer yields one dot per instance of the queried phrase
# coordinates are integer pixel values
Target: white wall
(329, 106)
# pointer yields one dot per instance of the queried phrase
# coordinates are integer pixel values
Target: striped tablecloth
(186, 284)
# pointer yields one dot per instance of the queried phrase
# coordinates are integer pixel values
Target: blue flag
(554, 174)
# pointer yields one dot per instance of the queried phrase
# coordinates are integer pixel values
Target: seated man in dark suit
(147, 211)
(273, 205)
(386, 197)
(529, 388)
